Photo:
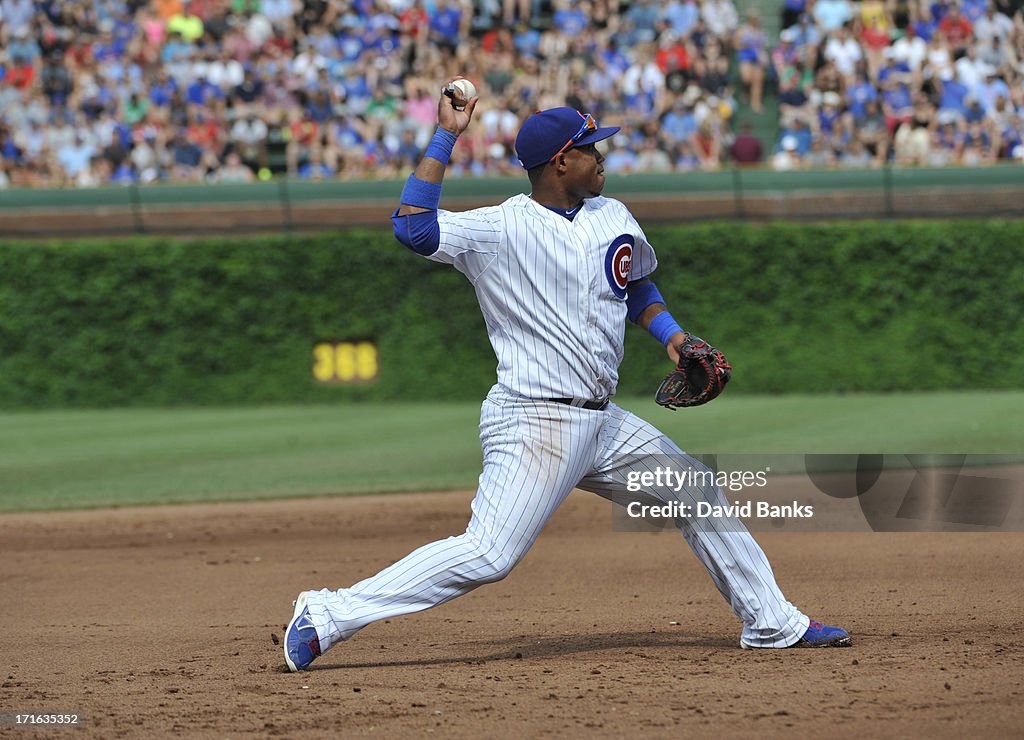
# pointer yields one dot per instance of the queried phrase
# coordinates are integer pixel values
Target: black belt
(583, 404)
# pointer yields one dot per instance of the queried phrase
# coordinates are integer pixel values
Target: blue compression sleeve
(419, 232)
(441, 146)
(640, 297)
(663, 327)
(421, 194)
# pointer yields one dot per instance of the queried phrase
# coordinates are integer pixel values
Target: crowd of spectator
(97, 92)
(916, 83)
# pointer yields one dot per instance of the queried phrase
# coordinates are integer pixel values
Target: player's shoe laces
(821, 635)
(301, 643)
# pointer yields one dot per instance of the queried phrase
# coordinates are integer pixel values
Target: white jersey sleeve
(644, 260)
(469, 239)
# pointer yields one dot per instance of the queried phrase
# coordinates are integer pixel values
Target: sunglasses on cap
(589, 126)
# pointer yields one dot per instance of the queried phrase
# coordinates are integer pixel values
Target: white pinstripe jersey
(552, 291)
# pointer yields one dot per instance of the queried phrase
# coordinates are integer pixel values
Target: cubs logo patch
(617, 262)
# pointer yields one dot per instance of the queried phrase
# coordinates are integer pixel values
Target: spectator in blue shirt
(679, 124)
(796, 128)
(925, 25)
(444, 25)
(972, 10)
(952, 95)
(571, 20)
(202, 91)
(350, 45)
(527, 41)
(991, 89)
(895, 70)
(897, 105)
(617, 61)
(619, 159)
(805, 33)
(176, 50)
(977, 136)
(315, 171)
(319, 108)
(858, 94)
(896, 100)
(974, 113)
(23, 46)
(75, 157)
(947, 137)
(828, 115)
(123, 28)
(186, 157)
(108, 47)
(357, 91)
(408, 153)
(162, 89)
(379, 41)
(345, 135)
(832, 14)
(1012, 138)
(681, 16)
(804, 136)
(9, 151)
(123, 174)
(938, 9)
(643, 14)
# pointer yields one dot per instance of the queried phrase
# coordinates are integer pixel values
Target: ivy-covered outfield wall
(796, 308)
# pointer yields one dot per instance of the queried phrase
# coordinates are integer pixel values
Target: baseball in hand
(461, 92)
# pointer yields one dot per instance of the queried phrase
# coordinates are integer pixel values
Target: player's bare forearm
(648, 314)
(453, 120)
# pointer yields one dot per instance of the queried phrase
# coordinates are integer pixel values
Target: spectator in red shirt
(746, 149)
(957, 30)
(875, 40)
(278, 46)
(414, 21)
(303, 143)
(671, 54)
(205, 131)
(707, 145)
(21, 74)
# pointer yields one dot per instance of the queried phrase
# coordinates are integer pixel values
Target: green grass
(80, 459)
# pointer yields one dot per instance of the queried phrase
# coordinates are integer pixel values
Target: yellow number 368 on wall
(345, 362)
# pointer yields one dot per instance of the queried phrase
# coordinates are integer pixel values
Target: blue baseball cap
(548, 133)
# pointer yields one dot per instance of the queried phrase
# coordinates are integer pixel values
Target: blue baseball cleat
(301, 642)
(821, 635)
(817, 635)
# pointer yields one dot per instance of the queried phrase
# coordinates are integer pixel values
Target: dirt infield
(162, 621)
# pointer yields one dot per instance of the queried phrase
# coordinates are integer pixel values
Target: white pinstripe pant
(535, 453)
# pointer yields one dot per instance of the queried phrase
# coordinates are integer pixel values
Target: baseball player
(557, 273)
